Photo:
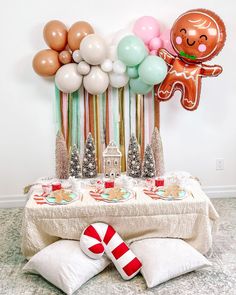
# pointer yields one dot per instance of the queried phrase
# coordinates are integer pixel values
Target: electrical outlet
(219, 164)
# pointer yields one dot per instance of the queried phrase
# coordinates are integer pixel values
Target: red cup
(109, 183)
(159, 182)
(56, 186)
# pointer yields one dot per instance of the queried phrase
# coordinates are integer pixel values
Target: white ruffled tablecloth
(191, 219)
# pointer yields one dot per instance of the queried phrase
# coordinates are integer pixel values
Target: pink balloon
(165, 37)
(153, 52)
(146, 28)
(147, 48)
(155, 43)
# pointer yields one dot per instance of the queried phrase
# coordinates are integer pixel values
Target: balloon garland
(79, 56)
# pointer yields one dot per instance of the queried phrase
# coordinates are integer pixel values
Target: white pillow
(65, 265)
(164, 259)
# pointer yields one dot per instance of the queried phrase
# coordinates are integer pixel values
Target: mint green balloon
(152, 70)
(138, 86)
(132, 72)
(131, 50)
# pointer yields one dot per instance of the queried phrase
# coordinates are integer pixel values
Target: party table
(191, 219)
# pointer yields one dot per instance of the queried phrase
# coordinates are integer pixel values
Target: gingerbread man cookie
(196, 36)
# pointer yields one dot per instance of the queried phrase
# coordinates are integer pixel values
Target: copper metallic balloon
(46, 62)
(77, 32)
(197, 36)
(55, 35)
(65, 57)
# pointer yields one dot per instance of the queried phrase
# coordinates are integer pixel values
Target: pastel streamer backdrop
(113, 115)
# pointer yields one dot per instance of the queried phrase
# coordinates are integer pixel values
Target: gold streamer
(107, 137)
(140, 121)
(156, 113)
(122, 128)
(91, 114)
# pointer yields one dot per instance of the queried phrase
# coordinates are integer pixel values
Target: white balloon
(119, 67)
(97, 81)
(120, 35)
(68, 79)
(106, 66)
(83, 68)
(112, 52)
(118, 80)
(77, 56)
(93, 49)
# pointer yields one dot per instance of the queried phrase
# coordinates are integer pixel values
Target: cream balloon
(77, 56)
(83, 68)
(106, 66)
(118, 80)
(97, 81)
(93, 49)
(119, 67)
(120, 35)
(112, 52)
(68, 79)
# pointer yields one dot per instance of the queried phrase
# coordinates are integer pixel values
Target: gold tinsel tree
(62, 159)
(157, 149)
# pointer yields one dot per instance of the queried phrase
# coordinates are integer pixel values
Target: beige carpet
(218, 279)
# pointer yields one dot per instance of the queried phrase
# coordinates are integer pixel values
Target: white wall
(192, 140)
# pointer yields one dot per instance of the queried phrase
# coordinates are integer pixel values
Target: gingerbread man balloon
(196, 36)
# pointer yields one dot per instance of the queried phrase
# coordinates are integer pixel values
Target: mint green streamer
(58, 109)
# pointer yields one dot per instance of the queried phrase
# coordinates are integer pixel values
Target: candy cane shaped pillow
(98, 238)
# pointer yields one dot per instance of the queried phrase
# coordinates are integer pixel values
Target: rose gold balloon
(65, 57)
(46, 62)
(55, 35)
(77, 32)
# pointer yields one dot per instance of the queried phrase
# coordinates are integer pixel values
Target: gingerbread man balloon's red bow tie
(196, 36)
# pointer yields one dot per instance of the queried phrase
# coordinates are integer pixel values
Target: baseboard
(12, 201)
(227, 191)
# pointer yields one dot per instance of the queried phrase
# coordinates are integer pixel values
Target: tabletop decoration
(172, 192)
(112, 160)
(109, 183)
(62, 158)
(74, 162)
(148, 166)
(112, 195)
(134, 158)
(89, 166)
(159, 181)
(151, 192)
(61, 197)
(56, 186)
(157, 149)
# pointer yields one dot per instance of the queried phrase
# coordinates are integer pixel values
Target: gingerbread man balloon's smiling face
(198, 35)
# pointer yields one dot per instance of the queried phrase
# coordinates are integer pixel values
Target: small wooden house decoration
(112, 161)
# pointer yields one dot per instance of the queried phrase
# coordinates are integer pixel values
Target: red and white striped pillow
(99, 237)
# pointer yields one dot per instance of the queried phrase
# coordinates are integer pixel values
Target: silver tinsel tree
(89, 166)
(148, 167)
(75, 167)
(62, 158)
(134, 158)
(157, 149)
